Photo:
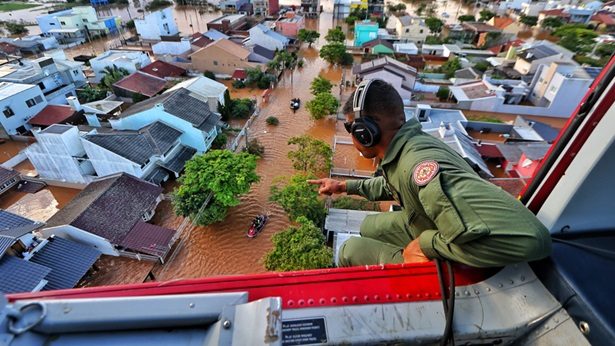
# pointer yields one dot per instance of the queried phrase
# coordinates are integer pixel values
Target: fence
(244, 130)
(349, 172)
(140, 256)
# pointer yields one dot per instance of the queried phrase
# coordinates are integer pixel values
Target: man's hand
(328, 186)
(414, 254)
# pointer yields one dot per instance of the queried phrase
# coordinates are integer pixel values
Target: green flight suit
(456, 215)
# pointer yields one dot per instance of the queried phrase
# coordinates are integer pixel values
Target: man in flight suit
(448, 211)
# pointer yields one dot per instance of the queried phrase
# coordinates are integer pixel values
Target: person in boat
(448, 211)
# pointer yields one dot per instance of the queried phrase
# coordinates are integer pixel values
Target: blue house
(186, 112)
(50, 21)
(99, 2)
(365, 31)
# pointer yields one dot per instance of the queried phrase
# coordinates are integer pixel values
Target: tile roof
(142, 83)
(214, 34)
(201, 41)
(138, 147)
(378, 41)
(163, 69)
(178, 161)
(109, 207)
(489, 151)
(52, 114)
(535, 152)
(15, 225)
(231, 48)
(201, 85)
(383, 63)
(604, 18)
(19, 275)
(480, 27)
(7, 174)
(559, 12)
(264, 52)
(68, 260)
(149, 239)
(502, 22)
(537, 52)
(5, 243)
(240, 74)
(156, 176)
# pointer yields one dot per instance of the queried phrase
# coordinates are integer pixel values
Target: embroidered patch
(424, 172)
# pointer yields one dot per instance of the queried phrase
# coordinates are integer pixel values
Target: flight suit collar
(408, 130)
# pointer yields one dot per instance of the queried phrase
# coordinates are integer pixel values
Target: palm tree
(112, 74)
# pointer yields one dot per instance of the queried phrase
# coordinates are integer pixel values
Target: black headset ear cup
(366, 131)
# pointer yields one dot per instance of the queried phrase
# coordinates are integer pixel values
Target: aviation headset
(363, 128)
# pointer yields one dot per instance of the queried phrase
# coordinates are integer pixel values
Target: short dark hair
(382, 103)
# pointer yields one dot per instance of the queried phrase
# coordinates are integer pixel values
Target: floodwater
(39, 206)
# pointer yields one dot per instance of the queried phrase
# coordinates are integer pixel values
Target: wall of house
(395, 80)
(290, 29)
(132, 64)
(192, 136)
(156, 24)
(53, 157)
(22, 112)
(106, 162)
(218, 61)
(172, 48)
(415, 32)
(50, 21)
(364, 33)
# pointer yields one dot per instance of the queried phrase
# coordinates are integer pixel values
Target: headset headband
(358, 101)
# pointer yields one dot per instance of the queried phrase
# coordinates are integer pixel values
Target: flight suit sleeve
(462, 236)
(374, 189)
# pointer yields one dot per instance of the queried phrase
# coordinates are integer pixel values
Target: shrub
(209, 75)
(272, 121)
(237, 84)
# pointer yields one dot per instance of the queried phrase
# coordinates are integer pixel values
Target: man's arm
(374, 189)
(495, 232)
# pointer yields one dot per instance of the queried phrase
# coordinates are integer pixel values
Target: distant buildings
(265, 7)
(77, 24)
(129, 60)
(228, 23)
(409, 28)
(157, 25)
(310, 7)
(263, 36)
(541, 53)
(222, 57)
(19, 103)
(401, 76)
(290, 25)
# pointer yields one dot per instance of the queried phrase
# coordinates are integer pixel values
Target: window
(52, 23)
(38, 99)
(421, 31)
(69, 95)
(63, 23)
(76, 72)
(8, 112)
(215, 63)
(41, 85)
(407, 31)
(30, 103)
(85, 20)
(553, 89)
(165, 26)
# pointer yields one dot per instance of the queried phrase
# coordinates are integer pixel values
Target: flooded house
(204, 88)
(18, 104)
(222, 57)
(400, 75)
(129, 60)
(30, 263)
(266, 37)
(157, 25)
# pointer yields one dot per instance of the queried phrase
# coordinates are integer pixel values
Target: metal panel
(19, 275)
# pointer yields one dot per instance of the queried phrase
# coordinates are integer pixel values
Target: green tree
(130, 24)
(226, 109)
(420, 9)
(432, 40)
(15, 28)
(255, 148)
(156, 5)
(223, 174)
(450, 67)
(551, 23)
(466, 18)
(443, 93)
(273, 121)
(309, 36)
(322, 105)
(350, 20)
(299, 247)
(605, 49)
(335, 53)
(335, 35)
(528, 20)
(434, 24)
(576, 37)
(209, 75)
(112, 74)
(482, 66)
(91, 94)
(485, 15)
(321, 85)
(220, 141)
(298, 198)
(312, 155)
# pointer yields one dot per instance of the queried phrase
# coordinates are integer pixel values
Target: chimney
(422, 112)
(74, 103)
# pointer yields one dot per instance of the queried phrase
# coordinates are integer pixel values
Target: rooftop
(229, 47)
(119, 55)
(202, 86)
(502, 22)
(101, 106)
(214, 34)
(8, 89)
(201, 41)
(267, 31)
(14, 226)
(19, 275)
(480, 27)
(56, 129)
(7, 174)
(604, 18)
(471, 91)
(149, 239)
(52, 114)
(383, 63)
(142, 83)
(536, 52)
(376, 42)
(163, 69)
(233, 18)
(109, 207)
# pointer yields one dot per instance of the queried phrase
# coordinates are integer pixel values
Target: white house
(183, 109)
(157, 24)
(540, 53)
(406, 48)
(130, 60)
(59, 155)
(57, 78)
(207, 89)
(401, 76)
(19, 103)
(561, 84)
(181, 47)
(409, 28)
(266, 37)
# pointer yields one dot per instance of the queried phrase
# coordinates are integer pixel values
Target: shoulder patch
(424, 172)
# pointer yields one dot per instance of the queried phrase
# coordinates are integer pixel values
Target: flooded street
(39, 206)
